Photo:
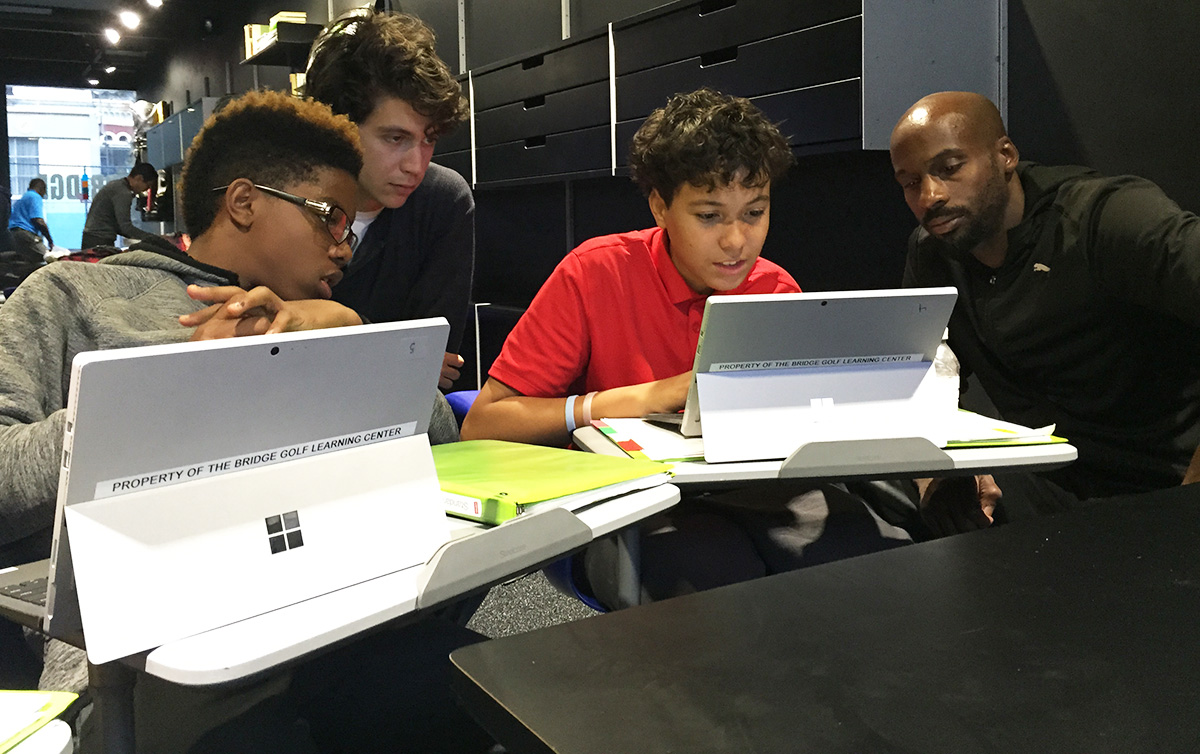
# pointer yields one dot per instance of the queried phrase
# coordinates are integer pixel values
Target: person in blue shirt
(27, 221)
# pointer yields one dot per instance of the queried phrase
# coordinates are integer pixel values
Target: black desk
(1079, 633)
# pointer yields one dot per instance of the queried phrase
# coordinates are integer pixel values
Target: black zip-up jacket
(1091, 323)
(417, 260)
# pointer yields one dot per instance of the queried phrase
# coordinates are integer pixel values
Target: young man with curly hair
(416, 220)
(706, 163)
(268, 192)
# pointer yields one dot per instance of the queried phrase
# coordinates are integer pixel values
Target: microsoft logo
(283, 532)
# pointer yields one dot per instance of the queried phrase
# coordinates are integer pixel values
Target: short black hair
(269, 138)
(365, 55)
(36, 184)
(145, 171)
(707, 139)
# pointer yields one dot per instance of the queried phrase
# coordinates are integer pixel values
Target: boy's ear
(658, 208)
(238, 203)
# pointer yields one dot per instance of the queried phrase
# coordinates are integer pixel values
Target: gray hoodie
(130, 299)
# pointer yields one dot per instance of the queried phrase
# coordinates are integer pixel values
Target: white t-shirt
(362, 221)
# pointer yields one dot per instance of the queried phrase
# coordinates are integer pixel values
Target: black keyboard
(32, 591)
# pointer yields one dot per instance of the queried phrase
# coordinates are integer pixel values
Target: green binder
(493, 481)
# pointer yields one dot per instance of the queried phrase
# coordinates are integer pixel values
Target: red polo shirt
(614, 312)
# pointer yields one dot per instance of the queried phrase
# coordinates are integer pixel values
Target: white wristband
(587, 408)
(570, 413)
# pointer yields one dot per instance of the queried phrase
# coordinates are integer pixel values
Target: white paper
(658, 443)
(19, 711)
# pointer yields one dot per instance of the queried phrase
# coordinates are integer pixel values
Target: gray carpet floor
(525, 604)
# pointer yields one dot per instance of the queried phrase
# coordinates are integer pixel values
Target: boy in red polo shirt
(613, 333)
(614, 329)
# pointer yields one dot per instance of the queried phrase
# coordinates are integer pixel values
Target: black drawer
(578, 64)
(500, 30)
(699, 28)
(459, 162)
(820, 115)
(569, 110)
(458, 139)
(801, 59)
(559, 154)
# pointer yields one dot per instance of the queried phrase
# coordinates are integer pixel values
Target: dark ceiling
(62, 43)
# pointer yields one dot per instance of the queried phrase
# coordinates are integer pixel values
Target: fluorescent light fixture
(110, 69)
(154, 3)
(93, 82)
(113, 35)
(129, 19)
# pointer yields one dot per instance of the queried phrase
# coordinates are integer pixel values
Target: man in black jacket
(416, 219)
(1079, 295)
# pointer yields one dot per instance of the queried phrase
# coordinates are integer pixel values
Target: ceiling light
(110, 69)
(129, 19)
(113, 35)
(93, 82)
(154, 3)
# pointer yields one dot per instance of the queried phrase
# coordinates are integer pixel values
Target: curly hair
(270, 138)
(365, 55)
(707, 139)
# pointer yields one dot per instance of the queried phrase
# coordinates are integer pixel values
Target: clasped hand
(235, 312)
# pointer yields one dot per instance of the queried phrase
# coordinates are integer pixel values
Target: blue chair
(460, 403)
(561, 575)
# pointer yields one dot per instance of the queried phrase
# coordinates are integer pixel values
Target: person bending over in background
(416, 220)
(28, 224)
(109, 216)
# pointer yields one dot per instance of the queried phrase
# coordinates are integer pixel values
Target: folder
(493, 481)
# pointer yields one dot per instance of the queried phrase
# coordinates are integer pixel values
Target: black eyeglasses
(337, 222)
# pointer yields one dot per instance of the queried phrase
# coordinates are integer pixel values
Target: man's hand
(235, 312)
(958, 504)
(451, 363)
(1192, 475)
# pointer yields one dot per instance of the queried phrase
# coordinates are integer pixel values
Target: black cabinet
(693, 29)
(167, 143)
(835, 73)
(503, 29)
(545, 115)
(576, 152)
(568, 110)
(575, 64)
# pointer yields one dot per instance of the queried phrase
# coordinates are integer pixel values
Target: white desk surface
(266, 641)
(966, 461)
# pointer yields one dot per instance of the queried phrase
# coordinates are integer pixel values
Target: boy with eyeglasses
(268, 192)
